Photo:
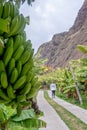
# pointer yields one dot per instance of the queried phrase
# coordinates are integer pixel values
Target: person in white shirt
(53, 89)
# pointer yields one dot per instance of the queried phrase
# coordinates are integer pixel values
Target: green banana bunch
(17, 78)
(4, 81)
(11, 66)
(21, 98)
(17, 25)
(4, 96)
(26, 89)
(4, 26)
(6, 10)
(2, 67)
(22, 24)
(19, 82)
(32, 93)
(18, 52)
(26, 68)
(14, 76)
(25, 57)
(9, 9)
(18, 40)
(19, 67)
(30, 76)
(9, 51)
(10, 92)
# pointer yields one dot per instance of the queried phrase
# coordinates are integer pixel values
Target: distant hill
(63, 46)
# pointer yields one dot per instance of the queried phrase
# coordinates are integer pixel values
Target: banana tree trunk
(77, 89)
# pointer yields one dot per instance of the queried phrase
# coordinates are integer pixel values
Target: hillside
(63, 46)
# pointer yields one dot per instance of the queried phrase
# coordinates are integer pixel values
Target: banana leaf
(27, 119)
(22, 128)
(7, 111)
(17, 128)
(68, 88)
(28, 123)
(25, 114)
(2, 118)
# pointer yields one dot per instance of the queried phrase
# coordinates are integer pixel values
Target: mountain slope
(63, 46)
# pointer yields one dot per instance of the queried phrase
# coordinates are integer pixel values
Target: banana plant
(28, 120)
(83, 72)
(69, 88)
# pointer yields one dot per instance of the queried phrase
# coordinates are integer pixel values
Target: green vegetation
(28, 120)
(74, 101)
(18, 81)
(68, 80)
(71, 121)
(19, 71)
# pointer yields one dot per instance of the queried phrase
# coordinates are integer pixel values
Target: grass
(73, 101)
(70, 120)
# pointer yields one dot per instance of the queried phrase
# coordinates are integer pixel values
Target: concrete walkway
(53, 121)
(77, 111)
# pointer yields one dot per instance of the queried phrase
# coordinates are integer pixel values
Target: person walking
(53, 89)
(44, 85)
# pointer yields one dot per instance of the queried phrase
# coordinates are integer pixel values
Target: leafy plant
(28, 120)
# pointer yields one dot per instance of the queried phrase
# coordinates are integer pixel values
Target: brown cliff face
(63, 46)
(81, 18)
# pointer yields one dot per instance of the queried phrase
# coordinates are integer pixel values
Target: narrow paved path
(77, 111)
(53, 121)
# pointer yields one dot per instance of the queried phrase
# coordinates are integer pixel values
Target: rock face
(63, 46)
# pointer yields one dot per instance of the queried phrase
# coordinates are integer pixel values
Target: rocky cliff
(63, 46)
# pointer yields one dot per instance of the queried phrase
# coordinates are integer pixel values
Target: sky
(49, 17)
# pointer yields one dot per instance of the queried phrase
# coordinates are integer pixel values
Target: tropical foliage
(71, 81)
(28, 120)
(20, 114)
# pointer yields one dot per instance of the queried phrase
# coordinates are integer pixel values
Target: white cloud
(48, 17)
